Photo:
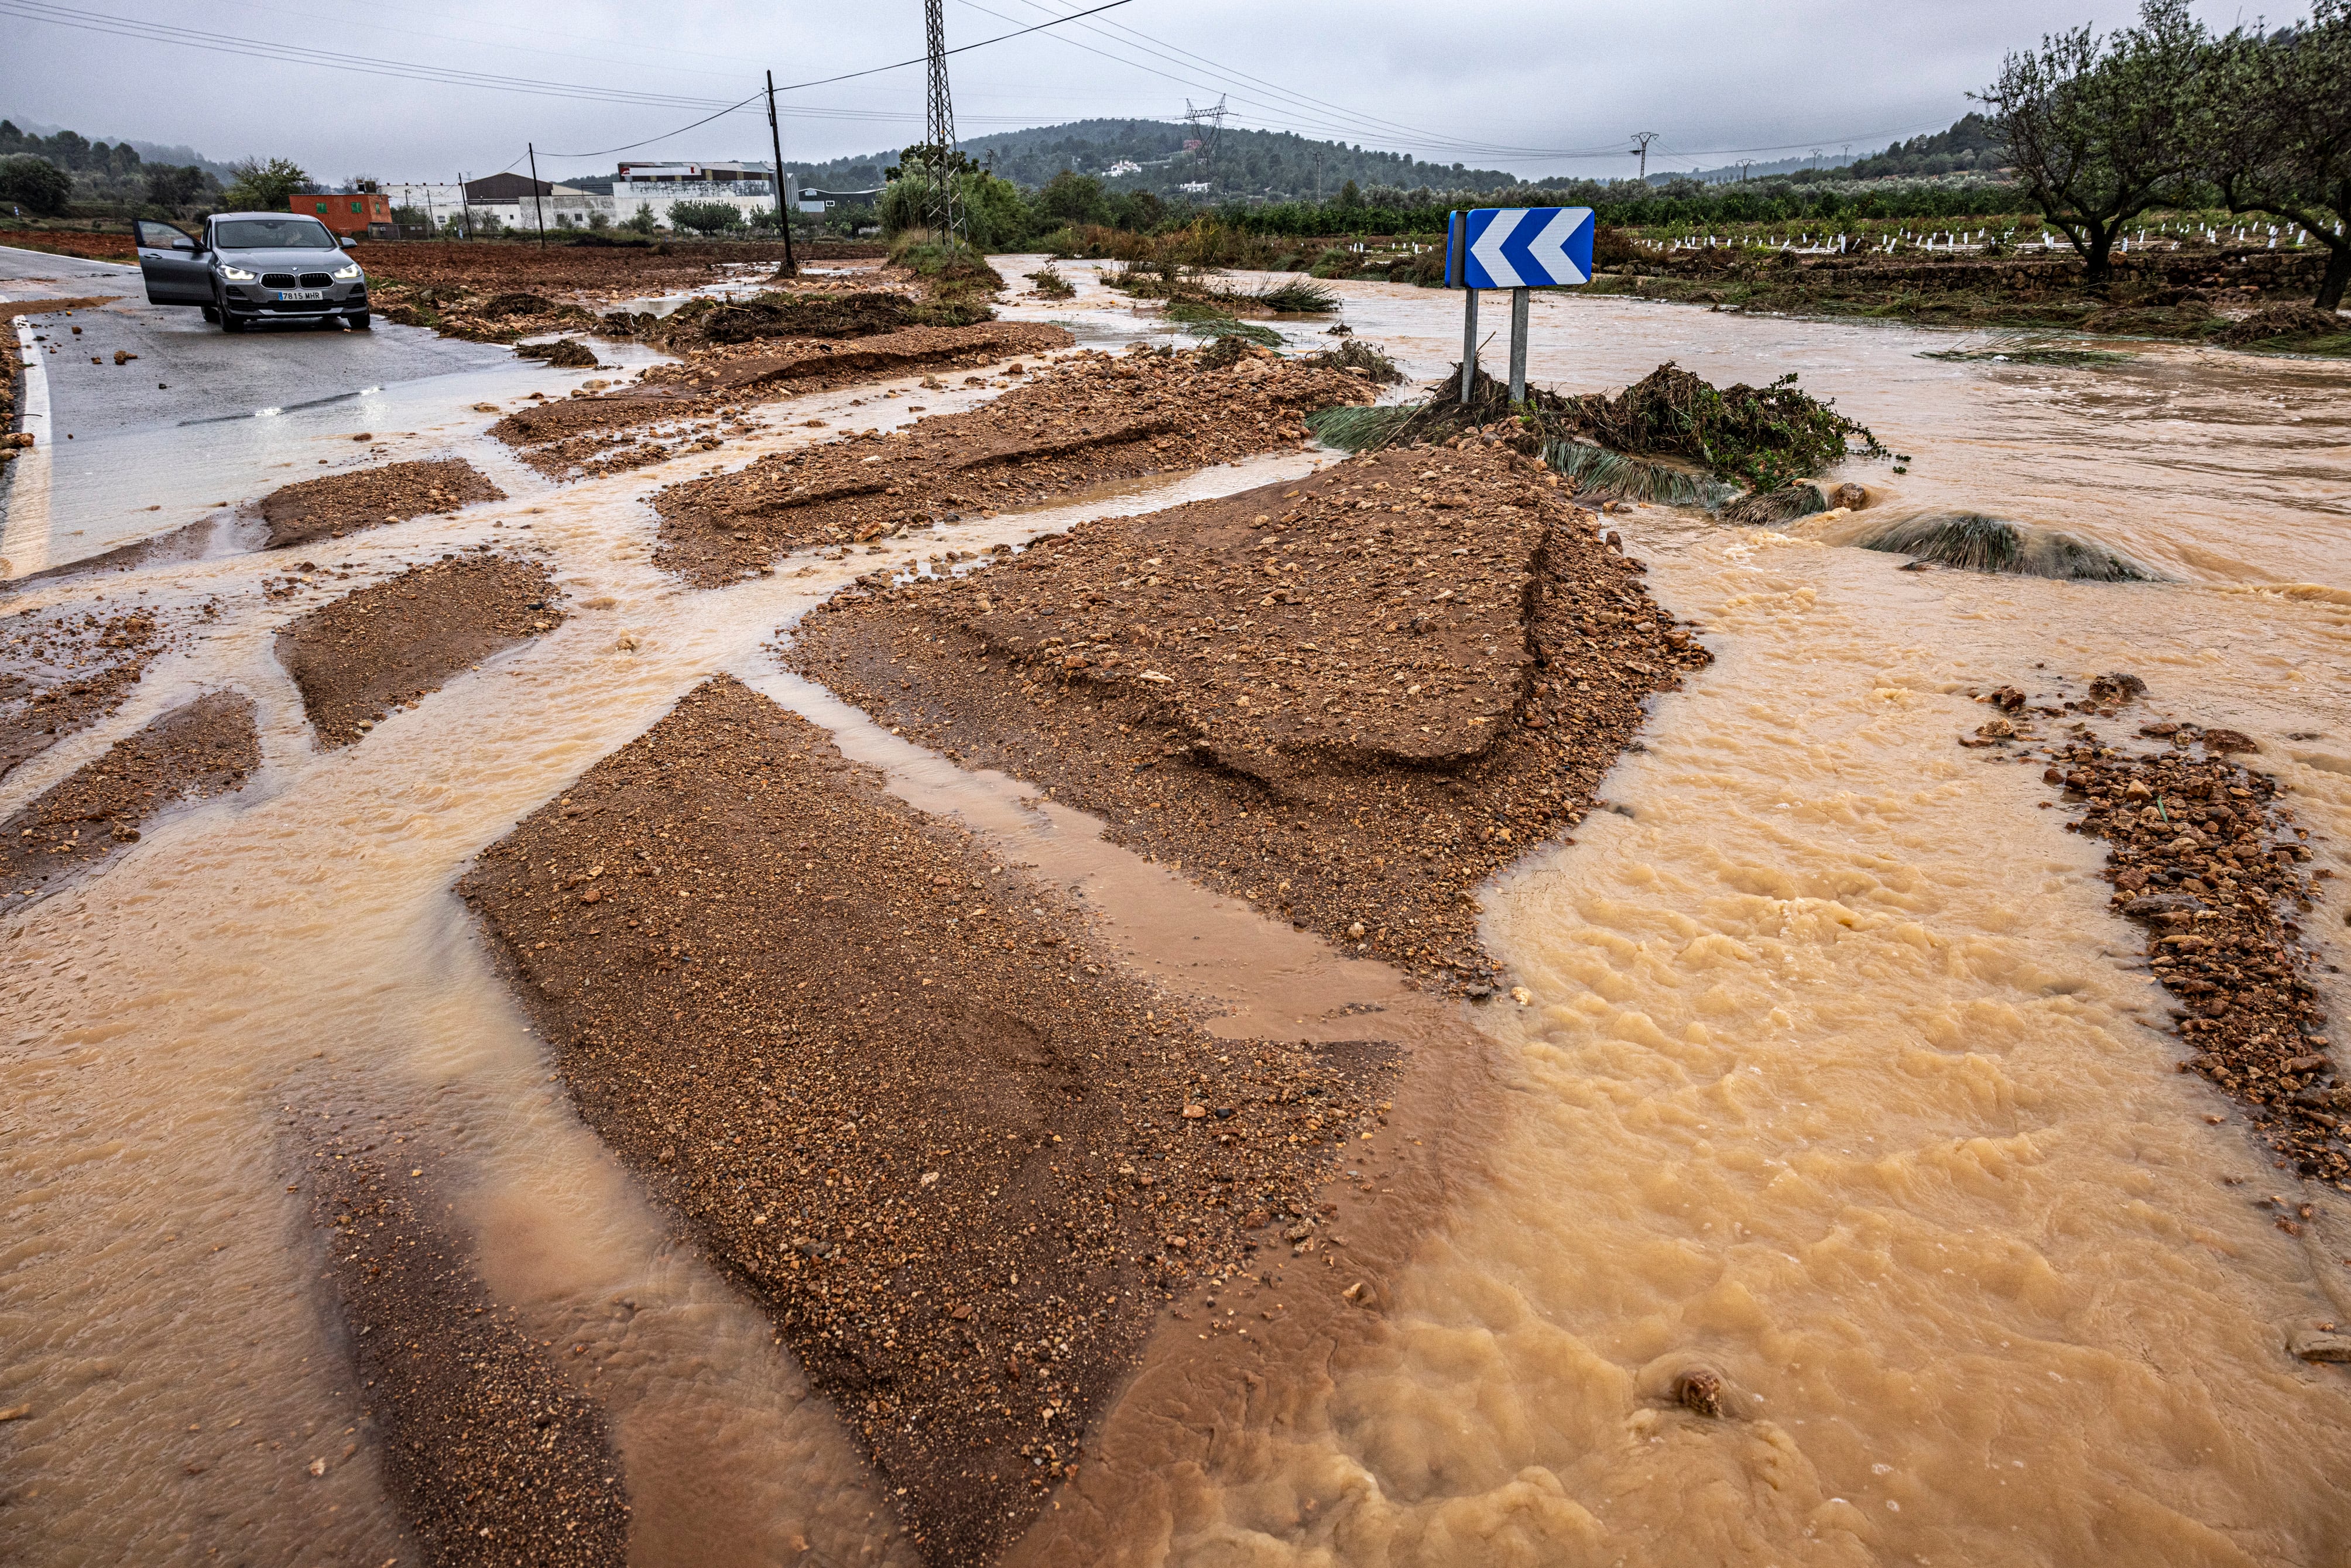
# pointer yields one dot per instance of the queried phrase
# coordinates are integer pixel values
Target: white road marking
(25, 504)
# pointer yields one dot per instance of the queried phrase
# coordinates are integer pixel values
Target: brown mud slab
(960, 1156)
(67, 666)
(392, 644)
(2205, 856)
(208, 748)
(193, 541)
(585, 433)
(490, 1455)
(1089, 420)
(1349, 700)
(339, 503)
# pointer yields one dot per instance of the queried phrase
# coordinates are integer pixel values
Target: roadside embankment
(1087, 420)
(208, 748)
(392, 644)
(1350, 700)
(894, 1084)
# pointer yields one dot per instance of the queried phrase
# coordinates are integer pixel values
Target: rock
(2318, 1344)
(1196, 1113)
(2148, 905)
(1699, 1391)
(1849, 496)
(2117, 687)
(2229, 740)
(1522, 996)
(1355, 931)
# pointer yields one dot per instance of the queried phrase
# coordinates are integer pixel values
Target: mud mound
(208, 748)
(392, 645)
(858, 315)
(359, 498)
(559, 437)
(1349, 700)
(564, 353)
(1085, 421)
(2204, 853)
(2283, 323)
(2190, 317)
(960, 1159)
(489, 1453)
(1973, 542)
(70, 666)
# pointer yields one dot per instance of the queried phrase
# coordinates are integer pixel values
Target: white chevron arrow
(1489, 248)
(1549, 247)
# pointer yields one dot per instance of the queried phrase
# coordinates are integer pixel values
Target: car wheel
(211, 312)
(230, 321)
(360, 321)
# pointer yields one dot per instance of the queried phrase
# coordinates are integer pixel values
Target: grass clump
(1297, 297)
(1204, 321)
(1356, 355)
(1974, 542)
(1051, 284)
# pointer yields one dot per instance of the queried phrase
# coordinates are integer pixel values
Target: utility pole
(465, 205)
(1745, 164)
(783, 213)
(939, 117)
(537, 211)
(1641, 139)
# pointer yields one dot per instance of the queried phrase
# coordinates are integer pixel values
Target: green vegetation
(712, 220)
(35, 185)
(1973, 542)
(263, 187)
(1051, 284)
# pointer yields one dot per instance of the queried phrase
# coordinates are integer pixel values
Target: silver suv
(254, 266)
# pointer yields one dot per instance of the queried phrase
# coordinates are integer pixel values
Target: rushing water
(1839, 1077)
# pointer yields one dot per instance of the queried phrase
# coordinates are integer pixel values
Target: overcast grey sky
(1531, 86)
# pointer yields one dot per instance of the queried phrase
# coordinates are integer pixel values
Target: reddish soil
(1084, 421)
(2204, 854)
(392, 644)
(71, 665)
(491, 1456)
(960, 1158)
(589, 433)
(208, 748)
(12, 308)
(345, 503)
(1350, 700)
(73, 242)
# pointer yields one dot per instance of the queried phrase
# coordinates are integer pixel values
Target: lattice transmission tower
(938, 126)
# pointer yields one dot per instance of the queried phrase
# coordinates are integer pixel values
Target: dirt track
(1349, 700)
(959, 1158)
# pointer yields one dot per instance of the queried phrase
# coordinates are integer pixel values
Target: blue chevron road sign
(1519, 247)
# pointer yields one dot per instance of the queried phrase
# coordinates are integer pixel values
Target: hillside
(1279, 165)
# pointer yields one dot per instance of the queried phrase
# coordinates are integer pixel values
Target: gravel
(339, 503)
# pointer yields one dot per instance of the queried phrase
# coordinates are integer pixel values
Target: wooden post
(537, 211)
(1469, 342)
(1518, 297)
(783, 212)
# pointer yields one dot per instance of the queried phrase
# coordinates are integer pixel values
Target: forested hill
(1277, 163)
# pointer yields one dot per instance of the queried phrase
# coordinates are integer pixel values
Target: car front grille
(316, 280)
(277, 280)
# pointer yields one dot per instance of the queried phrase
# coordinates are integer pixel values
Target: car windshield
(272, 234)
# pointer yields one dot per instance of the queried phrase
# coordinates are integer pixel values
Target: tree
(710, 218)
(2277, 135)
(1070, 198)
(173, 186)
(35, 185)
(263, 187)
(2099, 133)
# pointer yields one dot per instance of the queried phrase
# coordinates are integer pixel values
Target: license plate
(286, 295)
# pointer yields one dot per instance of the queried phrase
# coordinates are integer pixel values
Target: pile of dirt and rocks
(1089, 419)
(208, 748)
(71, 665)
(344, 503)
(962, 1160)
(592, 434)
(806, 314)
(1350, 700)
(392, 645)
(489, 1453)
(2284, 327)
(563, 353)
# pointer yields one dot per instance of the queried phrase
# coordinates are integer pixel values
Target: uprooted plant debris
(1349, 700)
(1086, 420)
(960, 1158)
(71, 665)
(2204, 854)
(593, 434)
(490, 1454)
(344, 503)
(207, 747)
(391, 646)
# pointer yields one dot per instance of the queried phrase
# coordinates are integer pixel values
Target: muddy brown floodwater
(1840, 1078)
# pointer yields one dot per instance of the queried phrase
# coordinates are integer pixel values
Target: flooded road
(1838, 1078)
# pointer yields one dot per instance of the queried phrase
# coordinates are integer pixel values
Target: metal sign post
(1520, 249)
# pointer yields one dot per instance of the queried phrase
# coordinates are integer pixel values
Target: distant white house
(1124, 166)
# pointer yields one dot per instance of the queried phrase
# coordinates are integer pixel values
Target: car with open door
(248, 267)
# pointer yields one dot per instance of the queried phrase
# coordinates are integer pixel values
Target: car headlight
(237, 274)
(347, 271)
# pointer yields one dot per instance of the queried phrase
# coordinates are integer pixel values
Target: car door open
(176, 269)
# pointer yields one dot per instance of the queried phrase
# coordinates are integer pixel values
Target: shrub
(35, 185)
(708, 218)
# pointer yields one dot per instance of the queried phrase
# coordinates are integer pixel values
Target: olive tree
(2101, 129)
(263, 187)
(2277, 132)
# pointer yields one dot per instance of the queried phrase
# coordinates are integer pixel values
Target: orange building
(363, 214)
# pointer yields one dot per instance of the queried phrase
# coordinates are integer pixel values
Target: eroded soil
(959, 1158)
(492, 1457)
(338, 504)
(208, 748)
(69, 666)
(1349, 700)
(1089, 419)
(392, 644)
